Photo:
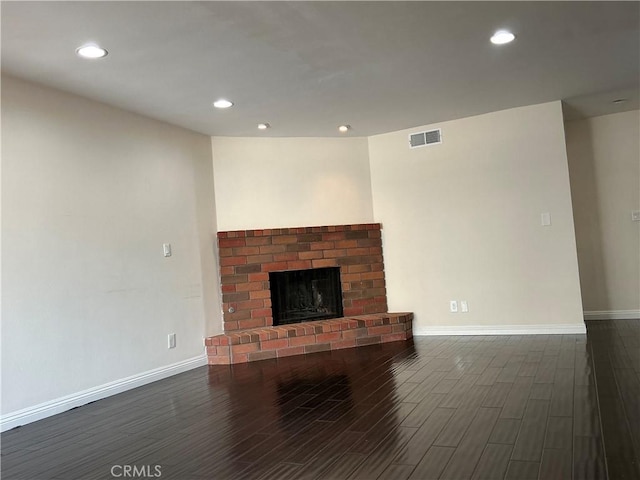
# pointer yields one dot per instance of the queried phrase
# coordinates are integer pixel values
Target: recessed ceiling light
(502, 36)
(344, 128)
(618, 101)
(91, 50)
(263, 126)
(222, 103)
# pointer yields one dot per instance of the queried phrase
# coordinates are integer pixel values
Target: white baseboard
(59, 405)
(569, 329)
(612, 315)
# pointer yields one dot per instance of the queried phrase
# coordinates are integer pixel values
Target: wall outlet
(453, 306)
(635, 216)
(464, 306)
(171, 340)
(166, 249)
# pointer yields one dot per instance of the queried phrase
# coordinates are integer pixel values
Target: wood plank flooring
(615, 347)
(481, 407)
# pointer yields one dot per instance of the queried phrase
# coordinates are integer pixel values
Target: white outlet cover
(166, 249)
(464, 306)
(171, 340)
(453, 306)
(635, 216)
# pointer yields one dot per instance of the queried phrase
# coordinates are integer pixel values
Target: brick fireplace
(248, 256)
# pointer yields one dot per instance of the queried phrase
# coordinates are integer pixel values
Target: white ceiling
(307, 67)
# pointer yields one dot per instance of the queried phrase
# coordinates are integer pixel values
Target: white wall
(208, 243)
(461, 221)
(604, 164)
(291, 182)
(89, 195)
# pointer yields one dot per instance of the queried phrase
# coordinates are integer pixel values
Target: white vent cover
(422, 139)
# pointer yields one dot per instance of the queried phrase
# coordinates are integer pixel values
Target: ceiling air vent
(422, 139)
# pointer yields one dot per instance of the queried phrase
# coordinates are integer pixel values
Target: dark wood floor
(503, 407)
(615, 347)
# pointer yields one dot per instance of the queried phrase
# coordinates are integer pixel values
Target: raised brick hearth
(309, 337)
(247, 257)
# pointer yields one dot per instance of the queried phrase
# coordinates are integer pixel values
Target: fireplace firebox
(305, 295)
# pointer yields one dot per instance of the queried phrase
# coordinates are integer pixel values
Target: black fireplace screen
(305, 295)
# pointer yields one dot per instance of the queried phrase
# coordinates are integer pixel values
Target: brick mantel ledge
(308, 337)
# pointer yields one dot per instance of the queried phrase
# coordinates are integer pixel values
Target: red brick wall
(247, 257)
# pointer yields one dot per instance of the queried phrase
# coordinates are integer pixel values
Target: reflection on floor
(514, 407)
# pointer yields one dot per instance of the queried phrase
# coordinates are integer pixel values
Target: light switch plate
(545, 219)
(166, 248)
